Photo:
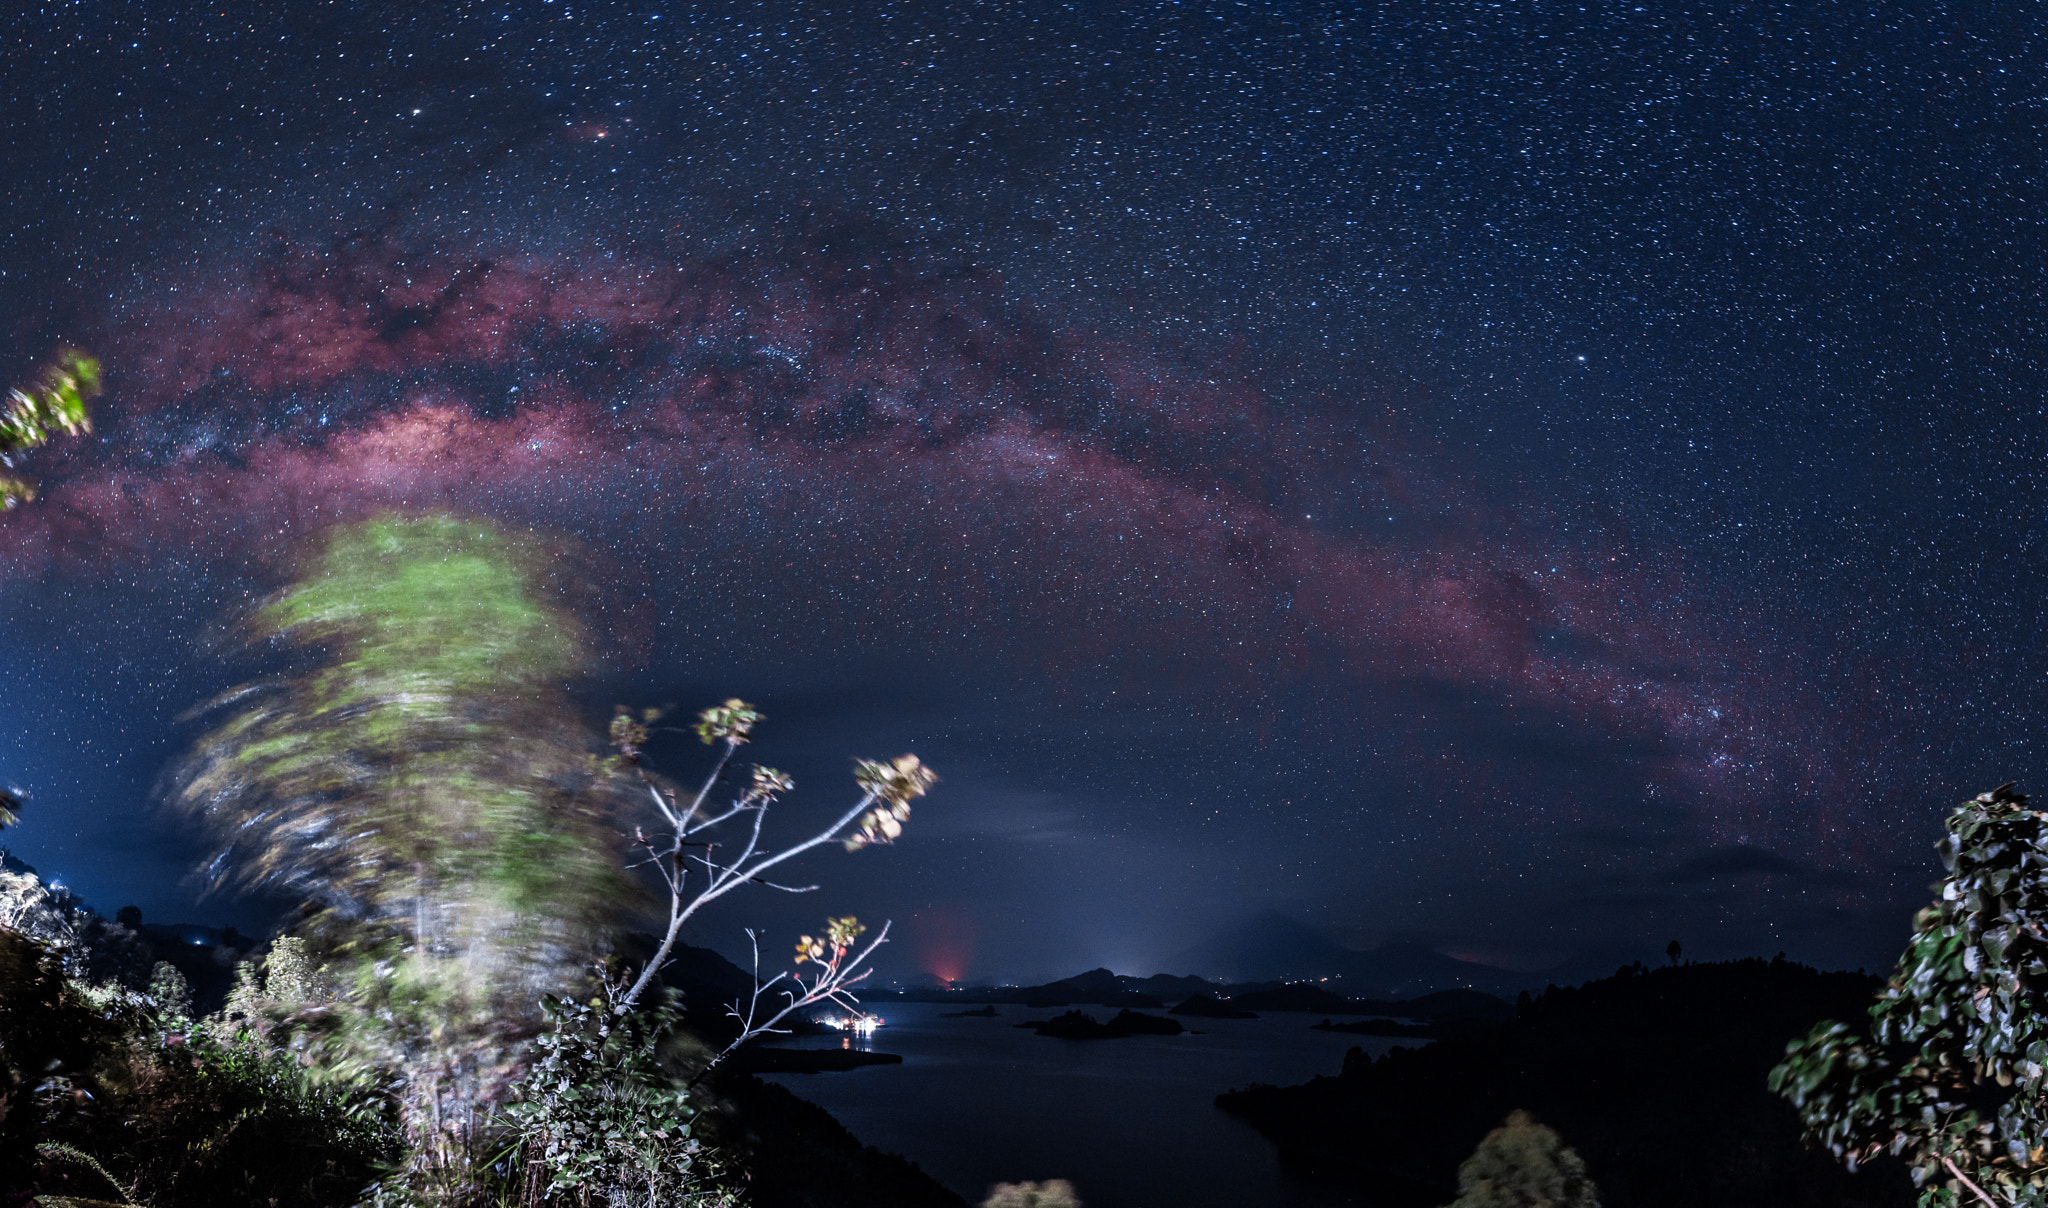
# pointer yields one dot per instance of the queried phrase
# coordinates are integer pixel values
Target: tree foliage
(110, 1095)
(426, 784)
(1053, 1193)
(432, 750)
(599, 1117)
(1952, 1074)
(1523, 1164)
(420, 778)
(56, 404)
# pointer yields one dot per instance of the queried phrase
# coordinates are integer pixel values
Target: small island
(769, 1059)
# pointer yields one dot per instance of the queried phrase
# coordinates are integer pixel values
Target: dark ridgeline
(1655, 1077)
(125, 949)
(1203, 1006)
(798, 1156)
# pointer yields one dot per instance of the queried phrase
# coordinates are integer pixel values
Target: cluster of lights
(859, 1025)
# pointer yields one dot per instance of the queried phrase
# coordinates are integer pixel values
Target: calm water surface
(1132, 1123)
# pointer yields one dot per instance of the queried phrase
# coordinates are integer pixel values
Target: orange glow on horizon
(945, 943)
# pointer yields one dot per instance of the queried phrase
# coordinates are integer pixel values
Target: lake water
(1131, 1123)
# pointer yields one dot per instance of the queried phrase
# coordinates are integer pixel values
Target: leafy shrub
(1523, 1164)
(98, 1086)
(598, 1118)
(203, 1124)
(171, 992)
(1053, 1193)
(1953, 1073)
(49, 1031)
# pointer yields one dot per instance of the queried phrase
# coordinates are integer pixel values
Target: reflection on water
(859, 1030)
(1131, 1122)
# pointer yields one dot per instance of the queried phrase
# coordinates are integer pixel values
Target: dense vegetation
(109, 1094)
(1657, 1078)
(451, 1023)
(1524, 1164)
(139, 1102)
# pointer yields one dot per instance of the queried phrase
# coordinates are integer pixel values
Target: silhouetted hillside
(798, 1156)
(1655, 1077)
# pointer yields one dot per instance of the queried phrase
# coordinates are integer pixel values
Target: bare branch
(708, 823)
(886, 789)
(832, 985)
(823, 837)
(662, 802)
(786, 888)
(1965, 1181)
(731, 877)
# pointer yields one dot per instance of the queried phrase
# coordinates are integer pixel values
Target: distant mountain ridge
(1270, 953)
(1270, 947)
(1101, 987)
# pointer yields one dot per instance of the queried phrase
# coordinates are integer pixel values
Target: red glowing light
(945, 943)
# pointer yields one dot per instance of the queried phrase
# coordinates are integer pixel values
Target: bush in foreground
(110, 1096)
(1523, 1164)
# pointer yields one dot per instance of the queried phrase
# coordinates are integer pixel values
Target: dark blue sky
(1536, 479)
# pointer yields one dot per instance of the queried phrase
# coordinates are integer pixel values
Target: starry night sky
(1536, 479)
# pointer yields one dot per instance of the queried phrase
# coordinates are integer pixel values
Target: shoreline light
(859, 1025)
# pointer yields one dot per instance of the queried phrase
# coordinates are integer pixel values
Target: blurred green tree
(1952, 1073)
(425, 783)
(1523, 1164)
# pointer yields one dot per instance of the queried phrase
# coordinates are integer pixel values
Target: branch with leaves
(32, 416)
(1952, 1073)
(838, 969)
(695, 875)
